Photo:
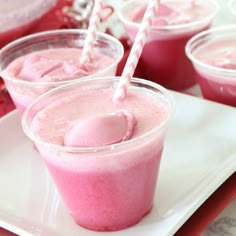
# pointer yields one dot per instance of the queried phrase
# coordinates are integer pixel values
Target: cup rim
(198, 62)
(39, 9)
(53, 32)
(58, 147)
(168, 27)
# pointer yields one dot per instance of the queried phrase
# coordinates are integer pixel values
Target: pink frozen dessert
(163, 57)
(174, 13)
(55, 65)
(18, 17)
(35, 64)
(213, 54)
(51, 65)
(103, 156)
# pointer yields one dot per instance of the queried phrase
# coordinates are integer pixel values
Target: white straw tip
(119, 96)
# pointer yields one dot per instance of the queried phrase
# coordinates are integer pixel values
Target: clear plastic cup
(110, 187)
(23, 92)
(163, 56)
(18, 17)
(217, 83)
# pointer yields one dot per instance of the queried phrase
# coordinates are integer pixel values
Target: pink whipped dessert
(220, 54)
(51, 65)
(55, 65)
(18, 17)
(37, 63)
(213, 54)
(174, 13)
(103, 156)
(163, 57)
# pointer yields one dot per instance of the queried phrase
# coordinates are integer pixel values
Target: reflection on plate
(199, 156)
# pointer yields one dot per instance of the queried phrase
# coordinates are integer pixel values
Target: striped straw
(136, 51)
(92, 29)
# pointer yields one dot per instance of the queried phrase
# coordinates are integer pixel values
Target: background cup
(17, 18)
(217, 84)
(24, 92)
(96, 183)
(163, 56)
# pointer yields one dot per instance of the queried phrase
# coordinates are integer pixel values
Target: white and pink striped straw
(92, 29)
(136, 50)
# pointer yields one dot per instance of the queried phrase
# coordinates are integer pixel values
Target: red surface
(211, 208)
(4, 232)
(204, 215)
(6, 104)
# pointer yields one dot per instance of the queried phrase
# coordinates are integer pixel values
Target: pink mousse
(218, 53)
(45, 69)
(54, 122)
(216, 75)
(110, 128)
(55, 65)
(111, 189)
(174, 13)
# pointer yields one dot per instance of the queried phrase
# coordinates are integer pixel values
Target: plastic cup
(19, 17)
(216, 83)
(163, 57)
(111, 187)
(24, 92)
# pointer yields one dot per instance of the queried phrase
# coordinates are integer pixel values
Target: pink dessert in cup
(51, 66)
(213, 54)
(37, 63)
(107, 177)
(163, 57)
(18, 17)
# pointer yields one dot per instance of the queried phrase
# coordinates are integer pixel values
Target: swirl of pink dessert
(174, 13)
(100, 130)
(225, 60)
(219, 54)
(55, 65)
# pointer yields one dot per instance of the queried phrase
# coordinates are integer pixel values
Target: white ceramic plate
(199, 156)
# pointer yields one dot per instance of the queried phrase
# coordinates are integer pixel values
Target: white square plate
(199, 155)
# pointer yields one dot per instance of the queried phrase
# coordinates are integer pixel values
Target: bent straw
(136, 51)
(92, 29)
